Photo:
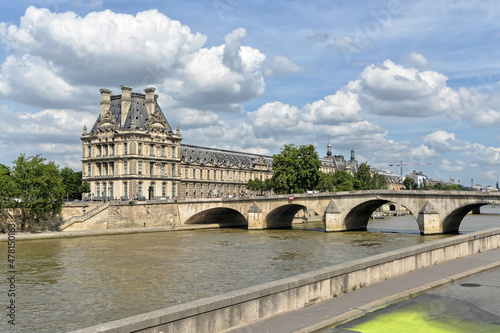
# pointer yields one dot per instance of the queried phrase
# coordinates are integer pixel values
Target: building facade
(131, 152)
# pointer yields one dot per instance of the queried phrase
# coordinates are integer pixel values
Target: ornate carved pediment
(107, 123)
(156, 123)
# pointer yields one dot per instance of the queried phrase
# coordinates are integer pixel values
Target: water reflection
(72, 283)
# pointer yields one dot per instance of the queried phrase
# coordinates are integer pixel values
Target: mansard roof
(136, 113)
(220, 157)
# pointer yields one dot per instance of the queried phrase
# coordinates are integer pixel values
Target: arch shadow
(451, 223)
(282, 217)
(224, 217)
(358, 217)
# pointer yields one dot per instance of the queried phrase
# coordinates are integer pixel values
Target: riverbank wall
(242, 307)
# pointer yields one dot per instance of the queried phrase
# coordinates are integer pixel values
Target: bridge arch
(224, 217)
(451, 223)
(358, 217)
(282, 216)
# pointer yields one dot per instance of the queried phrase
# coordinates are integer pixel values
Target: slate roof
(220, 157)
(137, 112)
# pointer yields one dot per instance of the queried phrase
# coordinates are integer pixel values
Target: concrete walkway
(355, 304)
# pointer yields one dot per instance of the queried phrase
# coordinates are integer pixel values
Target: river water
(70, 283)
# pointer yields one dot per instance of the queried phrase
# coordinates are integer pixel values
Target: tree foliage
(410, 183)
(259, 185)
(296, 169)
(73, 184)
(367, 181)
(39, 189)
(6, 188)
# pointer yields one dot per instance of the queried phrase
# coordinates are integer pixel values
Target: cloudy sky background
(411, 81)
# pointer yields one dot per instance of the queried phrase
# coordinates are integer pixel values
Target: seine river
(70, 283)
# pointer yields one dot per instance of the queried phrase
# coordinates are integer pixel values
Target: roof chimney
(105, 100)
(126, 101)
(150, 100)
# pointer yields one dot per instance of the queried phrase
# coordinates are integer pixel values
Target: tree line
(34, 189)
(297, 170)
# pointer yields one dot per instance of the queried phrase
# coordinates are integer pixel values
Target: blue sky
(416, 81)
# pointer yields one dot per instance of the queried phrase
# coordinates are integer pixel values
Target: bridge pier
(333, 218)
(255, 218)
(429, 221)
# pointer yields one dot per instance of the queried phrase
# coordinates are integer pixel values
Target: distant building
(418, 177)
(331, 163)
(131, 152)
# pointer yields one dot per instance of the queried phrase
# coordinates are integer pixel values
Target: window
(245, 176)
(100, 151)
(173, 151)
(89, 151)
(125, 167)
(151, 169)
(234, 175)
(139, 149)
(105, 150)
(162, 151)
(139, 190)
(227, 174)
(151, 150)
(112, 150)
(125, 190)
(99, 169)
(104, 190)
(164, 190)
(98, 189)
(139, 167)
(173, 169)
(89, 170)
(201, 173)
(208, 174)
(186, 173)
(173, 189)
(111, 190)
(125, 149)
(163, 169)
(239, 176)
(111, 169)
(194, 173)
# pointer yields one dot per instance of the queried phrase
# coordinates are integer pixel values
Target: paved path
(356, 303)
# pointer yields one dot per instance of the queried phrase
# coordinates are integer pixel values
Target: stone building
(132, 152)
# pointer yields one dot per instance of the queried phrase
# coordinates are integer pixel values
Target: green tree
(438, 187)
(410, 183)
(378, 182)
(339, 180)
(39, 189)
(453, 187)
(364, 176)
(6, 188)
(73, 184)
(258, 185)
(296, 169)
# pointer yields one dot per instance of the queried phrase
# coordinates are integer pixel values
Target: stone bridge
(435, 211)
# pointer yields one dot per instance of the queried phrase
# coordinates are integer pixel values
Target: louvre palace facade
(131, 152)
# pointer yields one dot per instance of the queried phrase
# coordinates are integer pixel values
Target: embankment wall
(239, 308)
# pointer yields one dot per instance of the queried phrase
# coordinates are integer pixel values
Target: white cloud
(443, 141)
(417, 60)
(281, 65)
(446, 166)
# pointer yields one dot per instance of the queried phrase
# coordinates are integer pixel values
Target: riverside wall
(242, 307)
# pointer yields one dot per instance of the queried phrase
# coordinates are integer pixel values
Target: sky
(411, 82)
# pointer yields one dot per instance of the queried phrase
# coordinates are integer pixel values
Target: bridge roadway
(435, 211)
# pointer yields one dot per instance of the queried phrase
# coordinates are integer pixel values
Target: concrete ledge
(239, 308)
(395, 298)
